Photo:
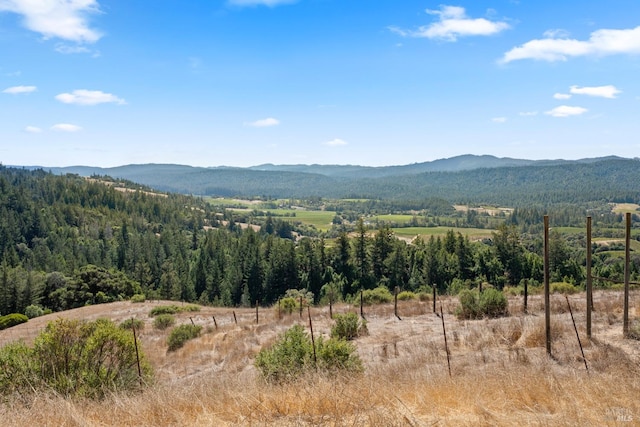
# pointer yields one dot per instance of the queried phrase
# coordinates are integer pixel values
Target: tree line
(67, 241)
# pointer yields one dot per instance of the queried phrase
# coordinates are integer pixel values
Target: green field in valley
(426, 232)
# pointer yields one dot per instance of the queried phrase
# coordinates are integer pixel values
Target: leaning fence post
(235, 319)
(395, 303)
(313, 340)
(135, 343)
(446, 345)
(577, 336)
(214, 321)
(192, 321)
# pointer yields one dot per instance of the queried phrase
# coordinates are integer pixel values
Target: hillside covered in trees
(68, 241)
(467, 179)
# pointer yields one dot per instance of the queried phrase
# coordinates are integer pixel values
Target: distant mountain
(462, 179)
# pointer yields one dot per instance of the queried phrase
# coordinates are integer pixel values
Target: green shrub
(173, 309)
(407, 296)
(189, 308)
(74, 358)
(563, 288)
(474, 305)
(138, 298)
(292, 355)
(493, 303)
(33, 311)
(129, 324)
(17, 368)
(337, 355)
(469, 305)
(379, 295)
(288, 305)
(12, 319)
(348, 326)
(181, 334)
(164, 309)
(164, 321)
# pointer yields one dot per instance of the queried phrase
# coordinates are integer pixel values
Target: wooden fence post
(135, 343)
(547, 305)
(589, 279)
(313, 340)
(257, 305)
(235, 319)
(577, 335)
(446, 345)
(361, 304)
(627, 250)
(301, 306)
(395, 303)
(214, 321)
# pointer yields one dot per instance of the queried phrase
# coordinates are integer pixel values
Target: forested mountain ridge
(541, 182)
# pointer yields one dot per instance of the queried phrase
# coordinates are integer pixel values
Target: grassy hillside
(500, 375)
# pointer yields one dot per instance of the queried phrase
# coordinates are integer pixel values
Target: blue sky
(384, 82)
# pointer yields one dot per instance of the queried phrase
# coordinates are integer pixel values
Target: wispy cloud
(64, 19)
(499, 119)
(528, 113)
(89, 97)
(262, 123)
(561, 96)
(32, 129)
(19, 89)
(71, 50)
(608, 91)
(601, 43)
(336, 142)
(269, 3)
(453, 23)
(566, 111)
(66, 127)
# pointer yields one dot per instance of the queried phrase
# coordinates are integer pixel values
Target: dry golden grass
(500, 374)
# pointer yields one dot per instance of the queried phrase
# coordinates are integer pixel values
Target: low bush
(173, 309)
(11, 320)
(407, 296)
(474, 305)
(288, 305)
(164, 321)
(138, 298)
(132, 323)
(33, 311)
(563, 288)
(181, 334)
(292, 356)
(379, 295)
(164, 309)
(74, 358)
(348, 326)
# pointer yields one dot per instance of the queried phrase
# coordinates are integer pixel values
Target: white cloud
(69, 50)
(601, 43)
(528, 113)
(454, 23)
(32, 129)
(561, 96)
(336, 142)
(608, 91)
(269, 3)
(64, 19)
(19, 89)
(566, 111)
(89, 97)
(66, 127)
(499, 119)
(269, 121)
